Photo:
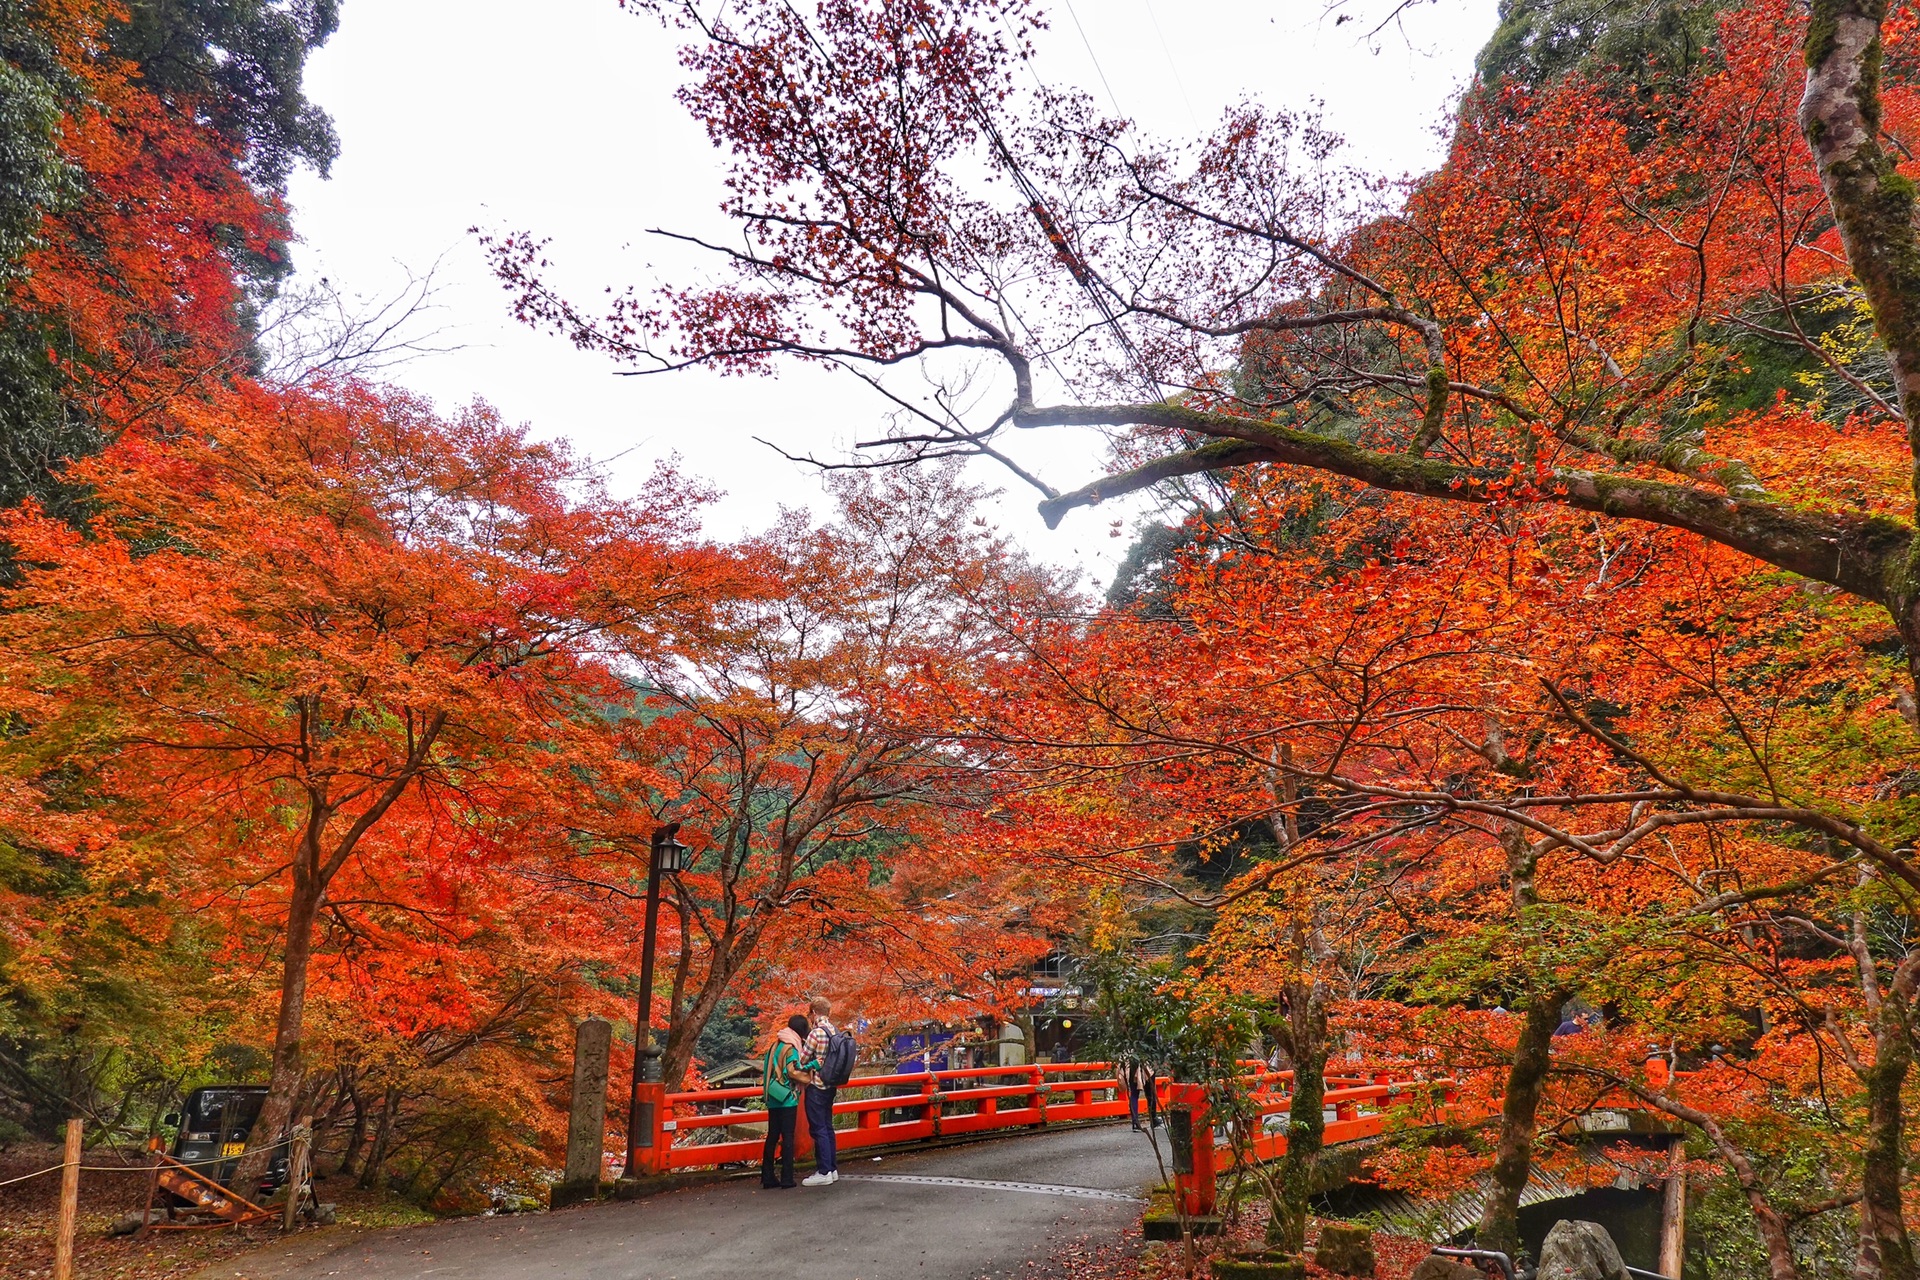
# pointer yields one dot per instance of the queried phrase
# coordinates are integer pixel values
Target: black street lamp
(666, 855)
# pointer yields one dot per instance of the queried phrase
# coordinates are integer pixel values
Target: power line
(1178, 83)
(1056, 236)
(1097, 68)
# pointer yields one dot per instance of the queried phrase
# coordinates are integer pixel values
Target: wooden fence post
(1673, 1212)
(69, 1205)
(297, 1157)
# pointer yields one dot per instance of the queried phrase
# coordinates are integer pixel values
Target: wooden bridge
(693, 1128)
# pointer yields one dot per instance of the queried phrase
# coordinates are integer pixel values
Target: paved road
(934, 1215)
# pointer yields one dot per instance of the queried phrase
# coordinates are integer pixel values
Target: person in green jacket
(780, 1081)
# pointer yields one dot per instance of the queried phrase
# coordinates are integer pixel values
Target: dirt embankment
(114, 1184)
(1134, 1259)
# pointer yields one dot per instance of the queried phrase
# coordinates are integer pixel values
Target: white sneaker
(817, 1180)
(834, 1176)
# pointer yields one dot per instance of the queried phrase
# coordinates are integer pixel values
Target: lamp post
(666, 854)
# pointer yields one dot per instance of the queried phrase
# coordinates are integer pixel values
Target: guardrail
(1029, 1097)
(1359, 1104)
(935, 1104)
(700, 1128)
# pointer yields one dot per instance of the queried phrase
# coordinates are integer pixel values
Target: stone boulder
(1345, 1248)
(1259, 1264)
(1435, 1267)
(1580, 1251)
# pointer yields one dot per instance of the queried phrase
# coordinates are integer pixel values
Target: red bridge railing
(1359, 1103)
(700, 1128)
(936, 1104)
(931, 1104)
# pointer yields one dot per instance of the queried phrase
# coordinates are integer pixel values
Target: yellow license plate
(231, 1149)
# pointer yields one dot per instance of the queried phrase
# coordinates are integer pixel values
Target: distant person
(818, 1094)
(780, 1087)
(1138, 1077)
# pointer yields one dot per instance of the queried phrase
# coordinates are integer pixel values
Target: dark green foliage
(40, 427)
(1638, 45)
(1217, 862)
(37, 426)
(236, 63)
(1723, 1241)
(241, 61)
(1142, 581)
(729, 1034)
(35, 91)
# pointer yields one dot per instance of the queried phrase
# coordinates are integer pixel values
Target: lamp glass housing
(672, 855)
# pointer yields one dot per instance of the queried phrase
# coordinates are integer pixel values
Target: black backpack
(836, 1064)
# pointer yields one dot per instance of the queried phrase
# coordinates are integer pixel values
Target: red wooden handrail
(1001, 1098)
(1049, 1092)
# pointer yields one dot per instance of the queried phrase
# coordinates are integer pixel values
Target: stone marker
(1435, 1267)
(1580, 1251)
(1345, 1248)
(587, 1125)
(1262, 1264)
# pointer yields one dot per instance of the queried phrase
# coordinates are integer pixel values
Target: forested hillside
(339, 722)
(1515, 686)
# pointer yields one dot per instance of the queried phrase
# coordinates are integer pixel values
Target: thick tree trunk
(356, 1137)
(283, 1081)
(1873, 205)
(1886, 1248)
(729, 957)
(1305, 1040)
(371, 1171)
(1513, 1155)
(682, 967)
(687, 1028)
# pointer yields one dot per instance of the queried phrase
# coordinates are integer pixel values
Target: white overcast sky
(558, 116)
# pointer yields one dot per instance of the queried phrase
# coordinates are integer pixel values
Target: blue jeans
(820, 1124)
(1137, 1090)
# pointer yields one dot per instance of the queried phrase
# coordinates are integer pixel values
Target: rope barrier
(133, 1168)
(28, 1177)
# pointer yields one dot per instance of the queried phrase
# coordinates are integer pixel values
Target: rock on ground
(1580, 1251)
(1435, 1267)
(1345, 1249)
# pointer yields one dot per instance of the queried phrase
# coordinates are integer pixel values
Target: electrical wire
(1097, 68)
(1192, 116)
(1063, 249)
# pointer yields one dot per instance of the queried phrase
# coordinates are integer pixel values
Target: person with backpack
(829, 1060)
(780, 1076)
(1138, 1077)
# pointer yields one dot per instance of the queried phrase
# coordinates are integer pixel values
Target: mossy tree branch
(1864, 555)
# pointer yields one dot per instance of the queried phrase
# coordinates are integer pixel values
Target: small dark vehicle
(214, 1127)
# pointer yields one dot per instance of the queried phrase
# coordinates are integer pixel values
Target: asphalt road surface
(962, 1213)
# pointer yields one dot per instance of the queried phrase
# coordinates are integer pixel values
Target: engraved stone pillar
(587, 1127)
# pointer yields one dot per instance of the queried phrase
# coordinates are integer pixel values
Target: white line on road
(986, 1184)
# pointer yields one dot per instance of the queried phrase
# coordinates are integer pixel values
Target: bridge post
(1190, 1131)
(656, 1139)
(930, 1105)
